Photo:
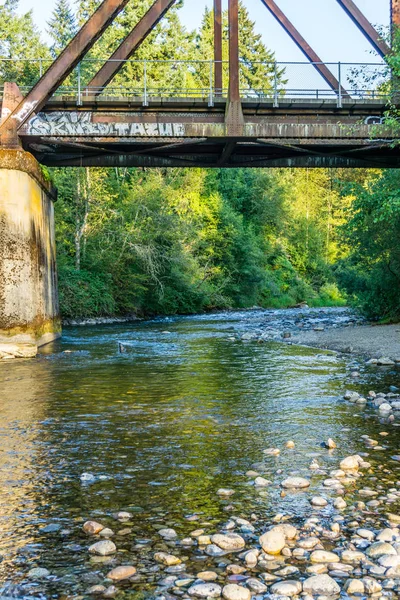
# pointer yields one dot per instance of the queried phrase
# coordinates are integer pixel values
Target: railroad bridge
(334, 117)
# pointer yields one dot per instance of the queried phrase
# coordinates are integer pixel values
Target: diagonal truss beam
(301, 43)
(395, 14)
(63, 65)
(138, 34)
(365, 27)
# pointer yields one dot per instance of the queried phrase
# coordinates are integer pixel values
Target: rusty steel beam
(138, 34)
(233, 17)
(394, 15)
(218, 47)
(301, 43)
(365, 27)
(62, 66)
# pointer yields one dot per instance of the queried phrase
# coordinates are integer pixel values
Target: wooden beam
(62, 66)
(138, 34)
(301, 43)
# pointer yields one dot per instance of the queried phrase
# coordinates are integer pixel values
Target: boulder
(121, 573)
(205, 590)
(295, 483)
(273, 541)
(103, 548)
(321, 585)
(232, 591)
(230, 542)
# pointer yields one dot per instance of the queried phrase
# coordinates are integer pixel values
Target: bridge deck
(189, 132)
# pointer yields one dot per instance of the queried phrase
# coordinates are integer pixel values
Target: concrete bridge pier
(29, 310)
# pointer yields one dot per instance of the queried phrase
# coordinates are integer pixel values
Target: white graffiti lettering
(82, 124)
(27, 108)
(374, 120)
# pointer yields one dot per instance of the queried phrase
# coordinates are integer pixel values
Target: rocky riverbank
(337, 329)
(347, 547)
(370, 341)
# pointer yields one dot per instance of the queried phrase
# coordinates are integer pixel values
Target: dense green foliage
(182, 240)
(371, 271)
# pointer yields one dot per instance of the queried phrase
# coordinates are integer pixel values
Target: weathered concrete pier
(29, 310)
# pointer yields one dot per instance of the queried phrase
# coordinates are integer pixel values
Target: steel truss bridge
(312, 114)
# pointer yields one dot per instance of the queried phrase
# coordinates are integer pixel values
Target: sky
(322, 22)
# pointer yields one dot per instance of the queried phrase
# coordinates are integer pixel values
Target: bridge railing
(187, 79)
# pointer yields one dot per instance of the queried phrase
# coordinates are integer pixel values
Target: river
(187, 409)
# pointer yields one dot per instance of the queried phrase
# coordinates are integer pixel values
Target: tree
(257, 63)
(371, 271)
(21, 64)
(62, 26)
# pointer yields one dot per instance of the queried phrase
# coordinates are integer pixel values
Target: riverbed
(187, 409)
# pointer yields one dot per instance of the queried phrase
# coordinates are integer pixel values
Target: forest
(150, 241)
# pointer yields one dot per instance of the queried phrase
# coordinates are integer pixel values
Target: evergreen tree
(257, 63)
(15, 32)
(62, 26)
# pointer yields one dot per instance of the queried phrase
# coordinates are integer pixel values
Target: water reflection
(183, 412)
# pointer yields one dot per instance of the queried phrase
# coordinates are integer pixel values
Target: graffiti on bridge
(83, 124)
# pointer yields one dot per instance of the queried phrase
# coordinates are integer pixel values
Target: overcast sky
(322, 22)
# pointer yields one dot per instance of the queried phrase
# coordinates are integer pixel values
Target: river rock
(319, 501)
(10, 351)
(207, 575)
(167, 559)
(389, 561)
(256, 586)
(97, 590)
(354, 586)
(205, 590)
(287, 588)
(168, 534)
(385, 407)
(295, 483)
(323, 556)
(339, 503)
(232, 591)
(225, 492)
(350, 463)
(273, 541)
(387, 535)
(288, 530)
(230, 542)
(321, 584)
(352, 556)
(380, 549)
(38, 573)
(121, 573)
(262, 482)
(103, 548)
(371, 586)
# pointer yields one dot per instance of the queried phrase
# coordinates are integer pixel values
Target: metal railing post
(40, 67)
(211, 96)
(79, 101)
(145, 101)
(339, 103)
(276, 103)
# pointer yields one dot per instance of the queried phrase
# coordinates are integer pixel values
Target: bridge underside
(176, 133)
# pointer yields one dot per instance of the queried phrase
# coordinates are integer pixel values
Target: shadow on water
(183, 412)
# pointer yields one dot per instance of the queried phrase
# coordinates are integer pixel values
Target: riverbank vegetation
(148, 241)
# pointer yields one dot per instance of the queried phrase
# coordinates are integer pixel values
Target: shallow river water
(183, 412)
